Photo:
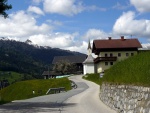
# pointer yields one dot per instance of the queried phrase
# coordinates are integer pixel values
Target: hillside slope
(26, 58)
(24, 89)
(134, 70)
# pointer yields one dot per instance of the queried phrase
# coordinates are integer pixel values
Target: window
(111, 63)
(105, 54)
(127, 54)
(106, 63)
(132, 54)
(119, 54)
(111, 55)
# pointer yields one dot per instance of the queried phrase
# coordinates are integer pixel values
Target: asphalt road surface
(83, 99)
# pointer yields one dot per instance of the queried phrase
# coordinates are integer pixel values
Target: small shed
(49, 74)
(88, 64)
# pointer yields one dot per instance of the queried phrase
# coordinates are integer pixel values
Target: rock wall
(126, 98)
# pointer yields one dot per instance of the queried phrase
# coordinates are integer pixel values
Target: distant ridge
(26, 57)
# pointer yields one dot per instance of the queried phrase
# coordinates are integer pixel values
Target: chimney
(109, 38)
(122, 38)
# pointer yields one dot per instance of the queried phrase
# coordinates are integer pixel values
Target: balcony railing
(99, 59)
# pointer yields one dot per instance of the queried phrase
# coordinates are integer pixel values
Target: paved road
(84, 99)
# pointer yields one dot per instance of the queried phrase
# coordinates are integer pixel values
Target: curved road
(84, 99)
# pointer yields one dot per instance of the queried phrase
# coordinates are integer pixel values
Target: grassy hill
(23, 89)
(13, 77)
(134, 70)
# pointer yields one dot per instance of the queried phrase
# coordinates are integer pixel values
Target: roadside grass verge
(94, 78)
(24, 89)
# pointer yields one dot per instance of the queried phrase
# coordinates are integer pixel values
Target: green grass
(23, 89)
(94, 78)
(12, 77)
(134, 70)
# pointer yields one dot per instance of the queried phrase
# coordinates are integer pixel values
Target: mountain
(27, 58)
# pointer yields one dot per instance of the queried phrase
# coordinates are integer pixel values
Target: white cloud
(93, 7)
(141, 5)
(55, 22)
(82, 47)
(36, 10)
(95, 34)
(63, 7)
(21, 25)
(37, 1)
(120, 6)
(145, 46)
(126, 24)
(58, 40)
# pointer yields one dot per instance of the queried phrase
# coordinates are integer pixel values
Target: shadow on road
(32, 107)
(54, 103)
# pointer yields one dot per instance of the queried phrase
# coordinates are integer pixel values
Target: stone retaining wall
(126, 98)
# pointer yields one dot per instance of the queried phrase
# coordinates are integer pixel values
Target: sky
(70, 24)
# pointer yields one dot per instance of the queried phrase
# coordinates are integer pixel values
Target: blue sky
(69, 24)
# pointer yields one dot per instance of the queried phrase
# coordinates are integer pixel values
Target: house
(49, 74)
(112, 50)
(76, 59)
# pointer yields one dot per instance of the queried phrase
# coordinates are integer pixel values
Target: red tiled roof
(116, 43)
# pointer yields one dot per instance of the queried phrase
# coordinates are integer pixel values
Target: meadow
(24, 89)
(13, 77)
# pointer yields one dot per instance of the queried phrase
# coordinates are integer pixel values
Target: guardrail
(60, 89)
(55, 90)
(73, 85)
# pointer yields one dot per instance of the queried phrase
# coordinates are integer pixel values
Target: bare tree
(64, 67)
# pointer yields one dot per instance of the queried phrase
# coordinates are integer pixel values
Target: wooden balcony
(99, 59)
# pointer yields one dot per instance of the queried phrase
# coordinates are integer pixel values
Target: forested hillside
(27, 58)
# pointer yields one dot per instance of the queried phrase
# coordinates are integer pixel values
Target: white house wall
(89, 68)
(101, 66)
(123, 54)
(84, 69)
